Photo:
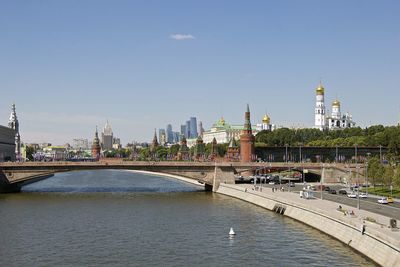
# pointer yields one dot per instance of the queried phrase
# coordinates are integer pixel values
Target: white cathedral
(336, 120)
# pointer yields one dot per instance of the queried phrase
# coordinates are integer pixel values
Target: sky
(72, 65)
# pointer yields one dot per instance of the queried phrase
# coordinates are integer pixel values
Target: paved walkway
(375, 224)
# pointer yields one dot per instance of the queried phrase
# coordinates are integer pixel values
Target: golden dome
(222, 121)
(336, 103)
(320, 90)
(266, 119)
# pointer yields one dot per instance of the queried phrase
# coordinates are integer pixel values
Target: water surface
(119, 218)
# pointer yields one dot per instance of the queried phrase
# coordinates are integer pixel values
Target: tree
(30, 150)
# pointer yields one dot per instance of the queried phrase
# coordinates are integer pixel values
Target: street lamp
(336, 156)
(366, 174)
(286, 161)
(355, 153)
(322, 175)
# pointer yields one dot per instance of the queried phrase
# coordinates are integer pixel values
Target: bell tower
(320, 119)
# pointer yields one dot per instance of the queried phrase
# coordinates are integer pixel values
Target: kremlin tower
(154, 144)
(247, 140)
(320, 122)
(96, 146)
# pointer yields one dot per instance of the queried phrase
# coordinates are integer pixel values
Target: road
(391, 210)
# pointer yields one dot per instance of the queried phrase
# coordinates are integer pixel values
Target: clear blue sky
(71, 65)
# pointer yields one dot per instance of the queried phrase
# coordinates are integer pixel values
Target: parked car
(389, 199)
(343, 192)
(332, 191)
(382, 200)
(327, 188)
(363, 195)
(352, 195)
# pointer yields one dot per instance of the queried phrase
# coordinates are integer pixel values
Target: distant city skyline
(70, 66)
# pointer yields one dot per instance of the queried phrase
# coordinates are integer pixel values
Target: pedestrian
(363, 229)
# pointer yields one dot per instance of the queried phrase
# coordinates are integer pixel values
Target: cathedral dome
(266, 119)
(336, 103)
(320, 90)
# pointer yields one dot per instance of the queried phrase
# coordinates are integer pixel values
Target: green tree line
(377, 135)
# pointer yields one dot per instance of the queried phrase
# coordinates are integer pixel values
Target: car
(352, 195)
(327, 189)
(389, 199)
(332, 191)
(382, 200)
(363, 195)
(343, 192)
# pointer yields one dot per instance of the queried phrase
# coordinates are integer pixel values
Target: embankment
(377, 241)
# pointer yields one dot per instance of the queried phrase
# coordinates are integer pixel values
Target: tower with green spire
(154, 144)
(247, 139)
(96, 146)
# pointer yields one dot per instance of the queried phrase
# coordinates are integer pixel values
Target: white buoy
(231, 232)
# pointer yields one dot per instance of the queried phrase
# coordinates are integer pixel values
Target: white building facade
(320, 122)
(336, 120)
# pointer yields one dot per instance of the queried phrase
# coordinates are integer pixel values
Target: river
(122, 218)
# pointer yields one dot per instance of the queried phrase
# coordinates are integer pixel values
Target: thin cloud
(181, 37)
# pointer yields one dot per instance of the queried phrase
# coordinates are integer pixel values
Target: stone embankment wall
(375, 243)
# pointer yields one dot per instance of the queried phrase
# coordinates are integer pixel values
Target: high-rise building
(14, 124)
(176, 137)
(247, 140)
(188, 133)
(183, 129)
(162, 136)
(107, 137)
(201, 129)
(319, 115)
(169, 134)
(193, 127)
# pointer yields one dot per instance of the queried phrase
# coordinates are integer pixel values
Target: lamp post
(380, 154)
(286, 161)
(301, 163)
(336, 155)
(355, 153)
(322, 175)
(366, 174)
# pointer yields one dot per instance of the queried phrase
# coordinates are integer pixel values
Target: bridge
(13, 175)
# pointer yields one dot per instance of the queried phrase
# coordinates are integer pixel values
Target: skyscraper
(183, 129)
(187, 133)
(193, 127)
(162, 136)
(107, 137)
(201, 129)
(14, 124)
(169, 134)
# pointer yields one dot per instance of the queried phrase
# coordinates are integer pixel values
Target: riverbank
(364, 231)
